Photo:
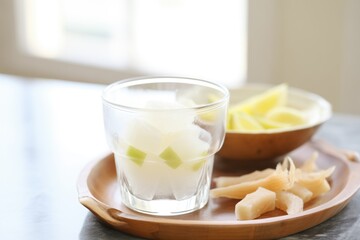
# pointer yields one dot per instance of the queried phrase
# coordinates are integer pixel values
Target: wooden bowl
(271, 144)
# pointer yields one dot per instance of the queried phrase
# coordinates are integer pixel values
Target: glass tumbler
(164, 133)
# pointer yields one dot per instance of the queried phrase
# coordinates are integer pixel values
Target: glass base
(165, 207)
(157, 190)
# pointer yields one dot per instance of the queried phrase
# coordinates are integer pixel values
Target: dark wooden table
(50, 129)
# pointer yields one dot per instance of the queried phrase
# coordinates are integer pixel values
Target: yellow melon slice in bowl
(279, 135)
(260, 104)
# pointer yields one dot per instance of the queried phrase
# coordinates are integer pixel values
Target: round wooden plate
(98, 191)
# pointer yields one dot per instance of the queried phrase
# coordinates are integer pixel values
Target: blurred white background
(314, 45)
(120, 38)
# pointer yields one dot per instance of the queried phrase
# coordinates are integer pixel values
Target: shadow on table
(94, 229)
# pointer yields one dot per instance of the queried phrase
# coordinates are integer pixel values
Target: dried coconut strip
(317, 187)
(310, 164)
(309, 177)
(255, 204)
(289, 202)
(315, 181)
(280, 179)
(301, 191)
(256, 175)
(289, 166)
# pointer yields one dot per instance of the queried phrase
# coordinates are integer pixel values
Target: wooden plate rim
(106, 212)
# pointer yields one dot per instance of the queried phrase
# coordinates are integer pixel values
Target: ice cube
(142, 180)
(164, 189)
(173, 120)
(143, 136)
(188, 145)
(191, 177)
(185, 183)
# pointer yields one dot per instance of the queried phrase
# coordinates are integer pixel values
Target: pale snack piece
(293, 187)
(274, 182)
(310, 164)
(289, 202)
(309, 177)
(255, 204)
(315, 181)
(256, 175)
(318, 187)
(302, 192)
(280, 179)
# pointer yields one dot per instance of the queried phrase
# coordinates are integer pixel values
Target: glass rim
(167, 79)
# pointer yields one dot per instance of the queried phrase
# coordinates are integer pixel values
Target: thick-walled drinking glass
(164, 133)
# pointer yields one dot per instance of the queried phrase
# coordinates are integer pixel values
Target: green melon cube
(136, 155)
(171, 158)
(199, 164)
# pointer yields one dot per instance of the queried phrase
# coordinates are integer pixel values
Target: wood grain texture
(263, 146)
(98, 191)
